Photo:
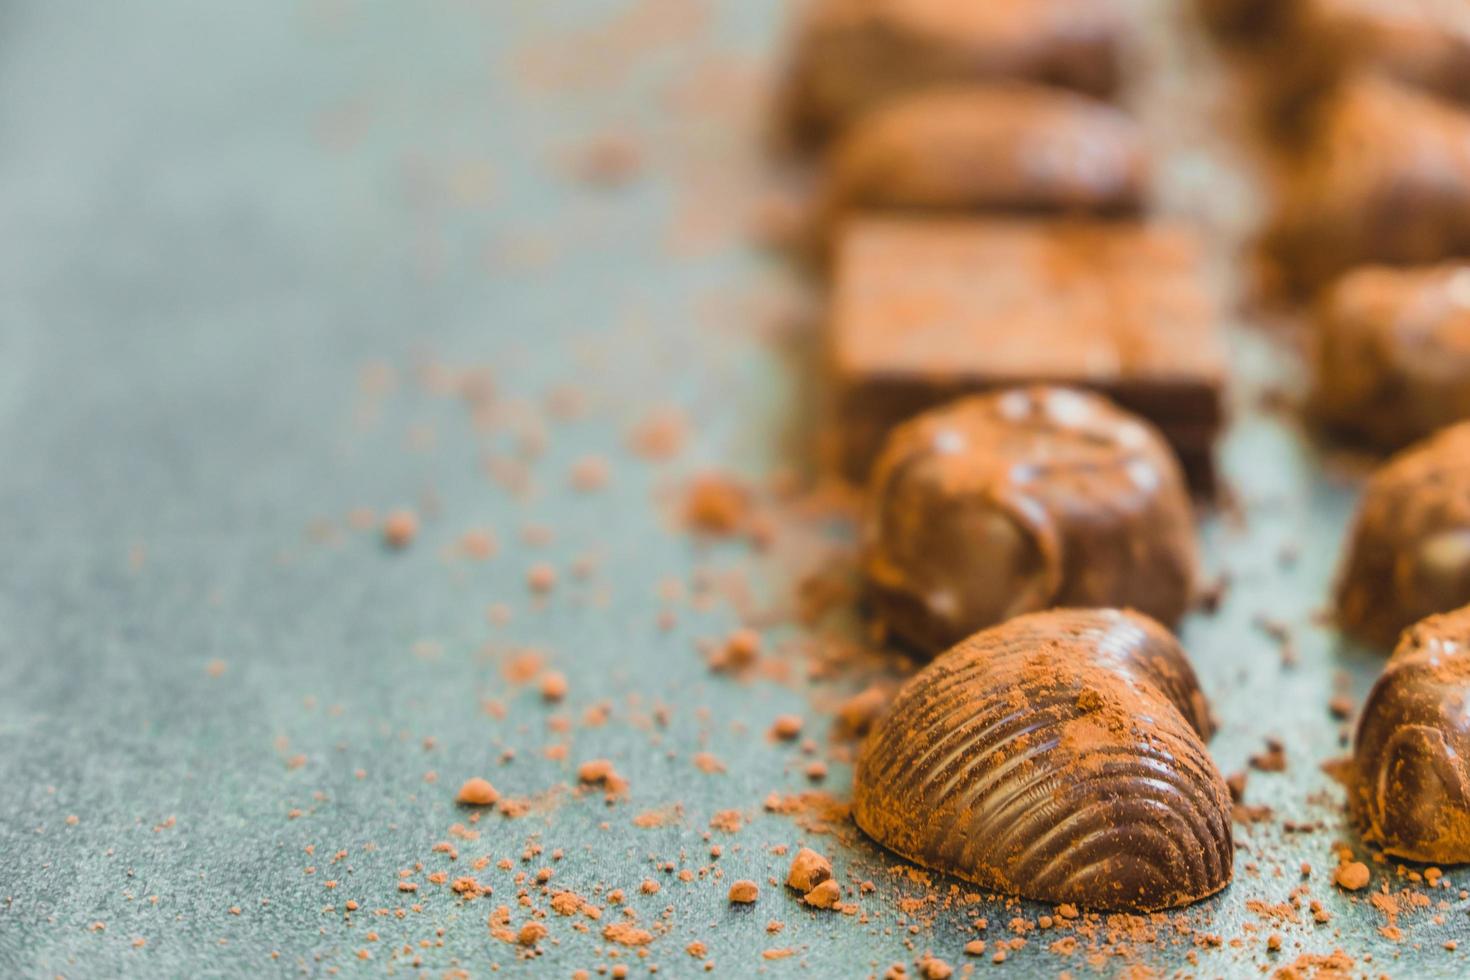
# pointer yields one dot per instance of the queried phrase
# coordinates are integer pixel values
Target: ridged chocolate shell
(1412, 751)
(1059, 756)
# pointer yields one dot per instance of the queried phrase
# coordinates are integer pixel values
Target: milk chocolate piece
(1021, 500)
(1411, 794)
(1059, 757)
(925, 310)
(853, 55)
(1001, 146)
(1386, 180)
(1409, 555)
(1393, 353)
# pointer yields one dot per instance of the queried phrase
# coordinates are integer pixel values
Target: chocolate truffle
(1020, 500)
(1060, 757)
(1003, 146)
(1393, 353)
(1411, 792)
(926, 310)
(1425, 43)
(1409, 555)
(1387, 180)
(855, 54)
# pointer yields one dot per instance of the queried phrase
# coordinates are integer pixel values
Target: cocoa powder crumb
(808, 870)
(744, 892)
(400, 528)
(1351, 875)
(477, 791)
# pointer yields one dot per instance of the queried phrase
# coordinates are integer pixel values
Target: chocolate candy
(855, 54)
(1000, 146)
(1360, 197)
(924, 311)
(1421, 42)
(1411, 792)
(1059, 756)
(1409, 555)
(1393, 353)
(1007, 503)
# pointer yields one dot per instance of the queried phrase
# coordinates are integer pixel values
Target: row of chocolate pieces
(1369, 105)
(981, 223)
(979, 216)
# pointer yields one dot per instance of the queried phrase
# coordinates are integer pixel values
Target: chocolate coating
(1393, 353)
(1004, 146)
(1021, 500)
(853, 55)
(1360, 197)
(1411, 795)
(1409, 555)
(1059, 756)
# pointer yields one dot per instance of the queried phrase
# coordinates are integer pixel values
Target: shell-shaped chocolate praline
(1411, 794)
(1021, 500)
(1409, 555)
(1059, 756)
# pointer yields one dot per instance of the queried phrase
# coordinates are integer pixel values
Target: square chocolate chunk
(854, 54)
(925, 310)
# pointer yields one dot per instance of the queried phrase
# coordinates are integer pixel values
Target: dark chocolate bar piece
(926, 310)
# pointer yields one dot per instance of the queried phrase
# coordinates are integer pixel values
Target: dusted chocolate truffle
(1020, 500)
(1411, 794)
(1387, 180)
(1409, 556)
(1393, 353)
(1424, 43)
(1059, 756)
(1001, 146)
(855, 54)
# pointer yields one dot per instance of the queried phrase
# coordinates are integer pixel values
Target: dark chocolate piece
(1387, 179)
(1409, 555)
(1022, 500)
(1393, 353)
(1411, 793)
(1001, 146)
(853, 55)
(1425, 43)
(1060, 757)
(924, 311)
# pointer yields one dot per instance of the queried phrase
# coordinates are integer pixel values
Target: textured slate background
(211, 217)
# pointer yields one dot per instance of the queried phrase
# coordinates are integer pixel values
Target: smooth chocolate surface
(1001, 146)
(1386, 180)
(853, 55)
(1061, 757)
(1021, 500)
(1411, 794)
(1409, 555)
(926, 310)
(1393, 353)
